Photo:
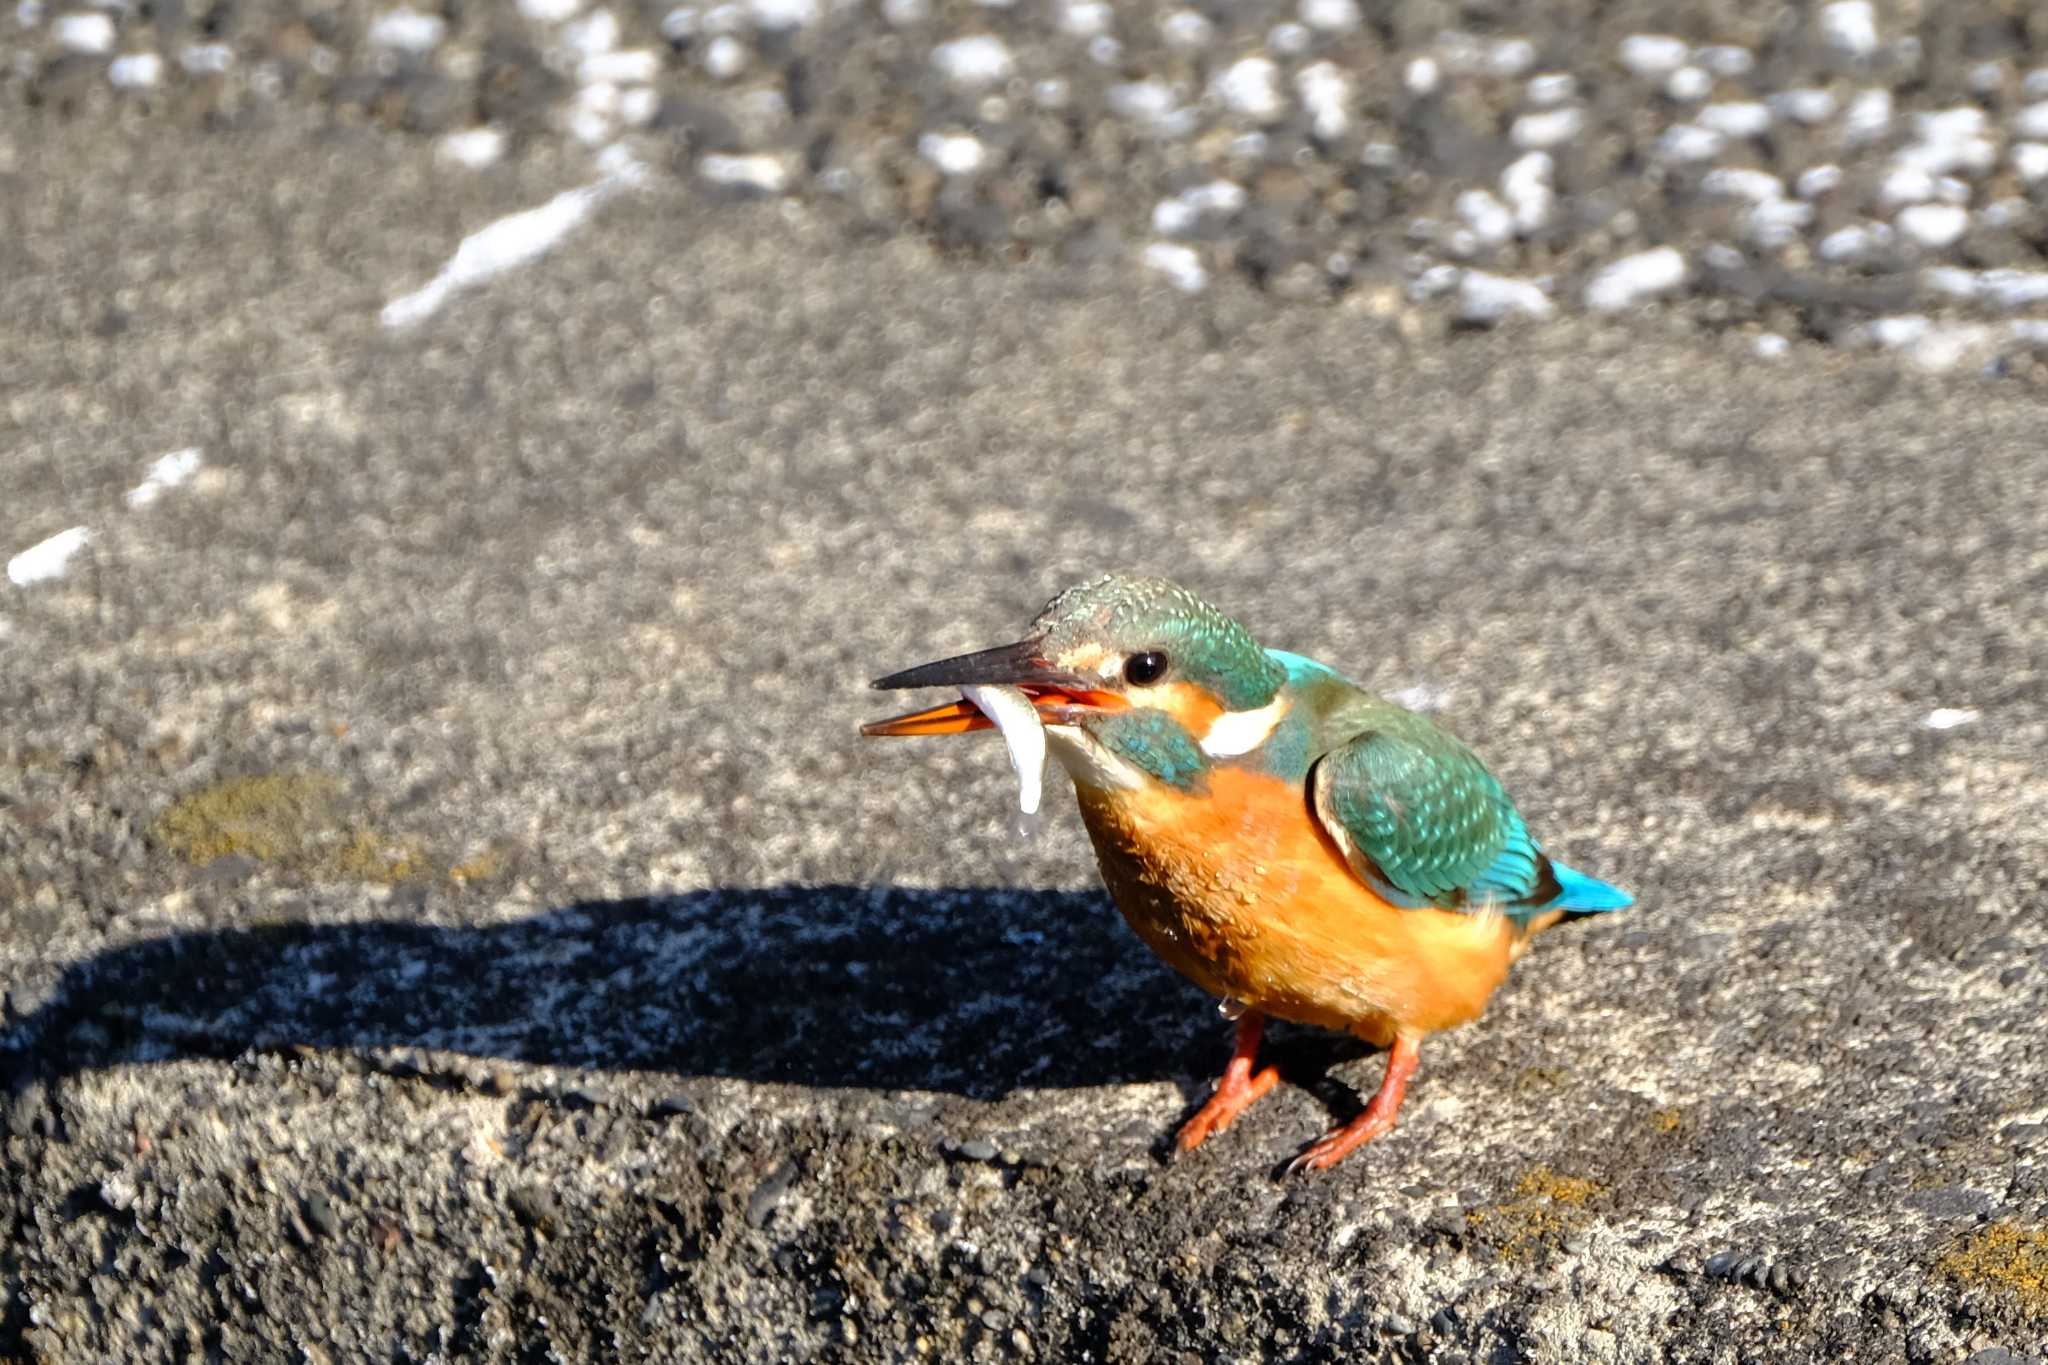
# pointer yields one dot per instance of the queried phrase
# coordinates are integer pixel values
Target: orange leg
(1238, 1088)
(1378, 1118)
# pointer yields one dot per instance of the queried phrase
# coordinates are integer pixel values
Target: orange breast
(1240, 892)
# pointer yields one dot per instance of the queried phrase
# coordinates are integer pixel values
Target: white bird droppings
(47, 560)
(510, 242)
(978, 60)
(1949, 717)
(166, 473)
(1636, 279)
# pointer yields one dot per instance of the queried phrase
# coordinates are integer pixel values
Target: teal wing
(1423, 822)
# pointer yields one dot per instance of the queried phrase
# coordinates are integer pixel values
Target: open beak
(1059, 697)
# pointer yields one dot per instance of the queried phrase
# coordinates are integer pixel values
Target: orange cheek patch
(1187, 703)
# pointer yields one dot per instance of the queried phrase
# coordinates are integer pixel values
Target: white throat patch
(1240, 732)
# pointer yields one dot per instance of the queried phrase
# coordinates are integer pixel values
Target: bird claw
(1234, 1095)
(1333, 1146)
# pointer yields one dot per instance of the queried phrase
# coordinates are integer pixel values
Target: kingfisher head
(1124, 672)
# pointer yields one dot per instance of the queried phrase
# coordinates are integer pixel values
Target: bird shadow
(973, 991)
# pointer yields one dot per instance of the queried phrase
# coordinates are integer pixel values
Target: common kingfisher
(1284, 838)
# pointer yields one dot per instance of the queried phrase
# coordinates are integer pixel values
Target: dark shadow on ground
(972, 991)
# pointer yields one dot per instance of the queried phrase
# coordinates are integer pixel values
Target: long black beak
(1015, 664)
(1059, 695)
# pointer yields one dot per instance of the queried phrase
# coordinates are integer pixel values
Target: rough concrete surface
(446, 911)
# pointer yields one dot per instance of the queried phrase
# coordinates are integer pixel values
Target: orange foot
(1236, 1091)
(1377, 1120)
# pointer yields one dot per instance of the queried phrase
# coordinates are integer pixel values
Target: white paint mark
(976, 60)
(1180, 264)
(1017, 719)
(136, 71)
(92, 34)
(43, 562)
(1949, 717)
(1636, 279)
(508, 243)
(166, 473)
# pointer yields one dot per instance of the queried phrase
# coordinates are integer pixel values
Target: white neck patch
(1240, 732)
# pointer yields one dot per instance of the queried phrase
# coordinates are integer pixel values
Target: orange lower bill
(1056, 705)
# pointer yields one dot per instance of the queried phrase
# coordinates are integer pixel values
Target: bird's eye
(1145, 668)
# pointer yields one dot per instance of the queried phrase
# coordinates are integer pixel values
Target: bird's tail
(1583, 895)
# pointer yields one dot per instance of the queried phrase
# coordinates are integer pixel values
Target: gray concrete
(582, 984)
